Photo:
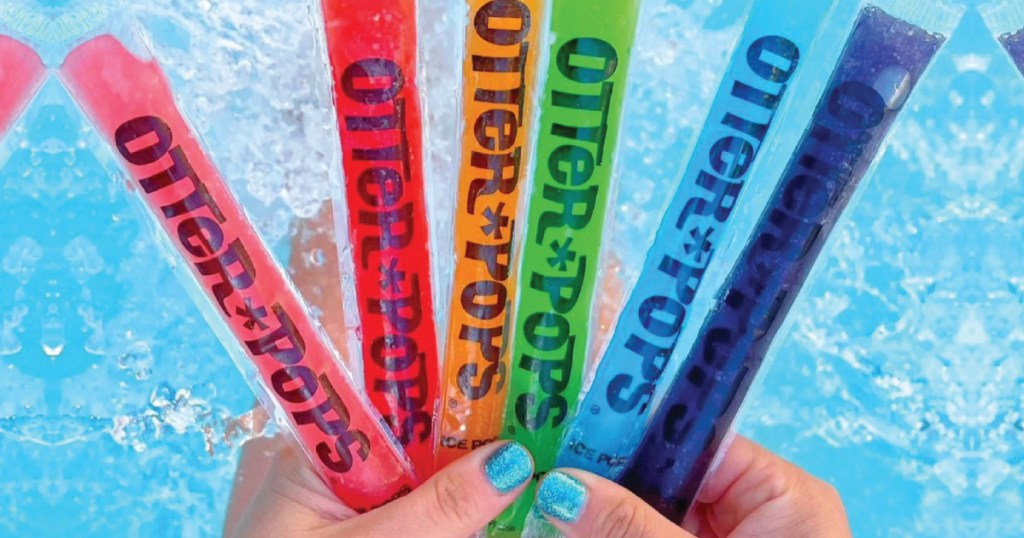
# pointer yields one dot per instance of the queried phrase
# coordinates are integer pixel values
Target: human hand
(458, 501)
(752, 493)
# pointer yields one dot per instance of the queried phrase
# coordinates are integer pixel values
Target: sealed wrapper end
(579, 123)
(130, 102)
(752, 95)
(21, 73)
(372, 49)
(1006, 20)
(499, 74)
(883, 59)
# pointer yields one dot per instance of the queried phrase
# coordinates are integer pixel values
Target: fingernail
(561, 496)
(509, 467)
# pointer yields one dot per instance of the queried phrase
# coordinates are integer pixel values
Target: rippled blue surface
(900, 381)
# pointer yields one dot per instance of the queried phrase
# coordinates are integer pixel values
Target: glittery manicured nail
(561, 496)
(508, 468)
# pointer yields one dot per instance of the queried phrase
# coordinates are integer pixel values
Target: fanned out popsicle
(577, 141)
(21, 72)
(372, 48)
(497, 99)
(883, 59)
(130, 101)
(750, 98)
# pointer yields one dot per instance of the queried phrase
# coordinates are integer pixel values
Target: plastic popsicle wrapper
(580, 116)
(1006, 20)
(750, 98)
(130, 101)
(372, 49)
(499, 74)
(21, 73)
(883, 59)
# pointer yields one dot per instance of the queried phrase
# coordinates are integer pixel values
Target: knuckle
(624, 518)
(777, 482)
(450, 499)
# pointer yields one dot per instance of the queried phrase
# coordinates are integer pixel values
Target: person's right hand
(752, 493)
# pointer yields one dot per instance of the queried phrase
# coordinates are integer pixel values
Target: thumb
(457, 501)
(580, 504)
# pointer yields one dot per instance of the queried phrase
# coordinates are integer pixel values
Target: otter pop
(1006, 20)
(882, 61)
(499, 74)
(21, 72)
(130, 101)
(750, 97)
(579, 124)
(372, 48)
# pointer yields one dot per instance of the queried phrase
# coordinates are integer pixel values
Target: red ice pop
(21, 71)
(372, 48)
(130, 101)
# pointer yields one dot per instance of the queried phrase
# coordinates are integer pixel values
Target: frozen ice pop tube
(754, 88)
(372, 49)
(579, 131)
(497, 102)
(1006, 20)
(883, 58)
(129, 100)
(21, 72)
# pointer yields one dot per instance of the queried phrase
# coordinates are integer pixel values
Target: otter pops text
(882, 61)
(501, 55)
(583, 96)
(372, 47)
(602, 437)
(131, 103)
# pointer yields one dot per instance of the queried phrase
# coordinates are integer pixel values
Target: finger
(581, 504)
(756, 493)
(458, 501)
(292, 501)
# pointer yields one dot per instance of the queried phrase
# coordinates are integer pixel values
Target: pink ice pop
(21, 72)
(130, 101)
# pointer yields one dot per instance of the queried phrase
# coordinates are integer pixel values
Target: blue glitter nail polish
(561, 496)
(508, 468)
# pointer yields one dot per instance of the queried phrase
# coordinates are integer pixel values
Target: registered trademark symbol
(452, 404)
(511, 430)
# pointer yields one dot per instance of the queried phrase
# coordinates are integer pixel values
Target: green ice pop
(590, 46)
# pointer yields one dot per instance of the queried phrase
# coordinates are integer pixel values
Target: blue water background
(900, 381)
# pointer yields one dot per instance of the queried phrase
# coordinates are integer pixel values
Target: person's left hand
(458, 501)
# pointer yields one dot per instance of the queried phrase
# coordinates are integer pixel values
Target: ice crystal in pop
(129, 100)
(578, 134)
(883, 58)
(750, 96)
(21, 72)
(499, 73)
(372, 49)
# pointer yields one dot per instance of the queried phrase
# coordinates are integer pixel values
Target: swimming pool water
(900, 381)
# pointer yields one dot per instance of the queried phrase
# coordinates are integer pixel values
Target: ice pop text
(685, 254)
(385, 227)
(592, 454)
(789, 235)
(497, 156)
(226, 271)
(585, 65)
(465, 444)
